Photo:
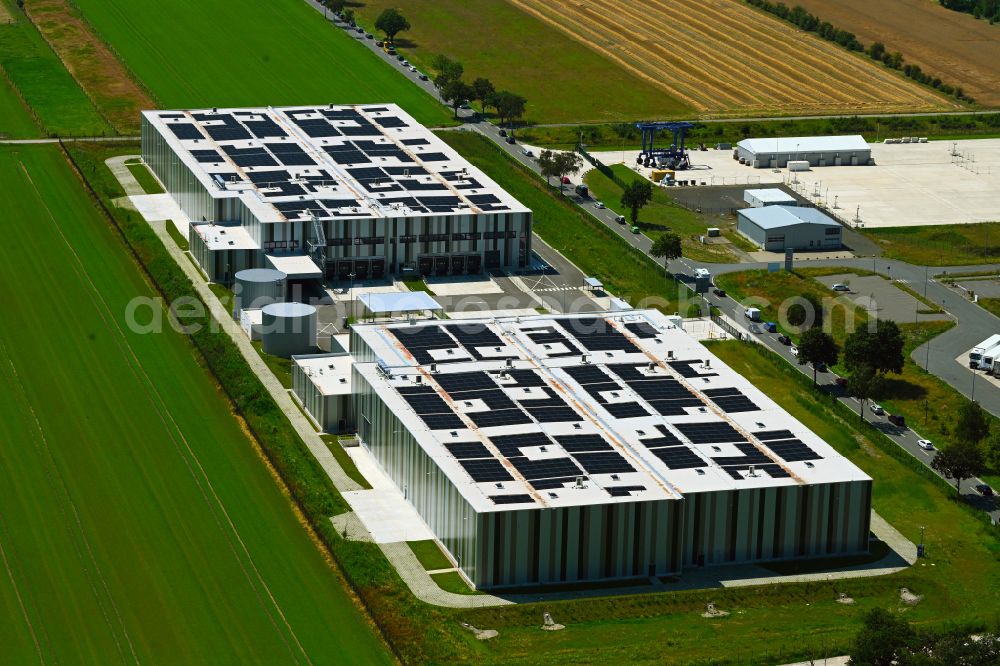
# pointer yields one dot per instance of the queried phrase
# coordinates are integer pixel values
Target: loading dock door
(378, 268)
(457, 265)
(474, 264)
(441, 265)
(493, 259)
(425, 265)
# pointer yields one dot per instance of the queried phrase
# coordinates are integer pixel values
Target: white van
(976, 355)
(753, 314)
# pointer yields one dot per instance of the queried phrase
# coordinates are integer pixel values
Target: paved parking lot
(880, 297)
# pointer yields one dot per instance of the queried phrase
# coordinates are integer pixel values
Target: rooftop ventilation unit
(670, 353)
(510, 361)
(434, 367)
(585, 359)
(384, 368)
(752, 472)
(579, 483)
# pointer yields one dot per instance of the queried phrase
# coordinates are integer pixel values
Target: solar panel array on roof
(207, 156)
(596, 334)
(455, 382)
(547, 468)
(678, 457)
(185, 131)
(432, 410)
(250, 157)
(709, 432)
(624, 491)
(792, 450)
(641, 329)
(468, 450)
(685, 370)
(604, 462)
(547, 336)
(664, 394)
(583, 443)
(731, 400)
(512, 499)
(486, 470)
(474, 336)
(419, 340)
(264, 128)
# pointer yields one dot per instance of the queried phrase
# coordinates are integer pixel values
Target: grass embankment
(416, 631)
(54, 98)
(176, 235)
(586, 242)
(269, 53)
(661, 214)
(940, 245)
(145, 177)
(775, 624)
(15, 118)
(509, 47)
(617, 135)
(990, 305)
(107, 82)
(430, 555)
(452, 581)
(139, 522)
(340, 453)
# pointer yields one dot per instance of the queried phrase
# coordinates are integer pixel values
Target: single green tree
(335, 5)
(805, 313)
(456, 93)
(509, 106)
(448, 70)
(884, 640)
(960, 461)
(991, 450)
(863, 383)
(817, 347)
(667, 246)
(348, 16)
(482, 90)
(973, 424)
(637, 194)
(391, 22)
(566, 163)
(881, 349)
(547, 163)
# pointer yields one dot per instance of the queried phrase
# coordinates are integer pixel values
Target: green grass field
(940, 245)
(138, 522)
(145, 178)
(193, 53)
(46, 86)
(661, 214)
(578, 236)
(562, 79)
(15, 121)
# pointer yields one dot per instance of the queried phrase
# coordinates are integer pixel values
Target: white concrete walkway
(383, 510)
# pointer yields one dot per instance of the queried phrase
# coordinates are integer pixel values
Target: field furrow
(726, 58)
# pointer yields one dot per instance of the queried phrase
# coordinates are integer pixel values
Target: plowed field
(960, 49)
(725, 58)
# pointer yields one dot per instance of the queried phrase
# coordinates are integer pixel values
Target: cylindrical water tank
(257, 287)
(288, 328)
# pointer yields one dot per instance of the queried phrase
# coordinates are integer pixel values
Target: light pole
(921, 549)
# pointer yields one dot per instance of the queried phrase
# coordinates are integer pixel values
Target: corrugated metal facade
(615, 540)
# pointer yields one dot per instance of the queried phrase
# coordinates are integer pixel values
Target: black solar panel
(606, 462)
(418, 340)
(415, 142)
(678, 457)
(541, 396)
(265, 128)
(674, 407)
(625, 410)
(624, 491)
(499, 417)
(488, 470)
(792, 450)
(207, 156)
(251, 157)
(551, 484)
(510, 445)
(524, 378)
(685, 369)
(227, 132)
(641, 329)
(185, 131)
(465, 381)
(582, 443)
(564, 414)
(512, 499)
(433, 157)
(391, 121)
(463, 450)
(596, 334)
(587, 374)
(550, 468)
(731, 400)
(711, 432)
(427, 403)
(494, 399)
(442, 421)
(765, 435)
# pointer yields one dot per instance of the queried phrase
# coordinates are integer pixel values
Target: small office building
(770, 196)
(780, 228)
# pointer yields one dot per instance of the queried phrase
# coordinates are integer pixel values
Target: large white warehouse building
(567, 448)
(818, 151)
(332, 190)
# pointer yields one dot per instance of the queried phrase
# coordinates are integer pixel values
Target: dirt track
(725, 58)
(958, 48)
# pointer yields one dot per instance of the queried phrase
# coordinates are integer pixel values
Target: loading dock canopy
(593, 283)
(295, 266)
(401, 302)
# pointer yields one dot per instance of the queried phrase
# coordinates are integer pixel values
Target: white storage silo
(288, 328)
(257, 287)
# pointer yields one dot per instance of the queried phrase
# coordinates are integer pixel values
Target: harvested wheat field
(725, 58)
(958, 48)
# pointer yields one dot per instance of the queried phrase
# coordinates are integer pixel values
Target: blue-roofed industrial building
(778, 228)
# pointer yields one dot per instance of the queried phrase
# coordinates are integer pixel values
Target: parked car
(721, 293)
(380, 43)
(369, 35)
(840, 381)
(984, 490)
(841, 287)
(877, 410)
(413, 69)
(925, 444)
(770, 327)
(404, 63)
(620, 219)
(599, 205)
(634, 229)
(821, 367)
(565, 181)
(423, 77)
(527, 152)
(360, 30)
(794, 350)
(399, 57)
(783, 339)
(897, 420)
(511, 140)
(465, 106)
(503, 132)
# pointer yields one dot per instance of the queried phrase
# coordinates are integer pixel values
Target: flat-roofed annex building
(818, 151)
(568, 448)
(362, 190)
